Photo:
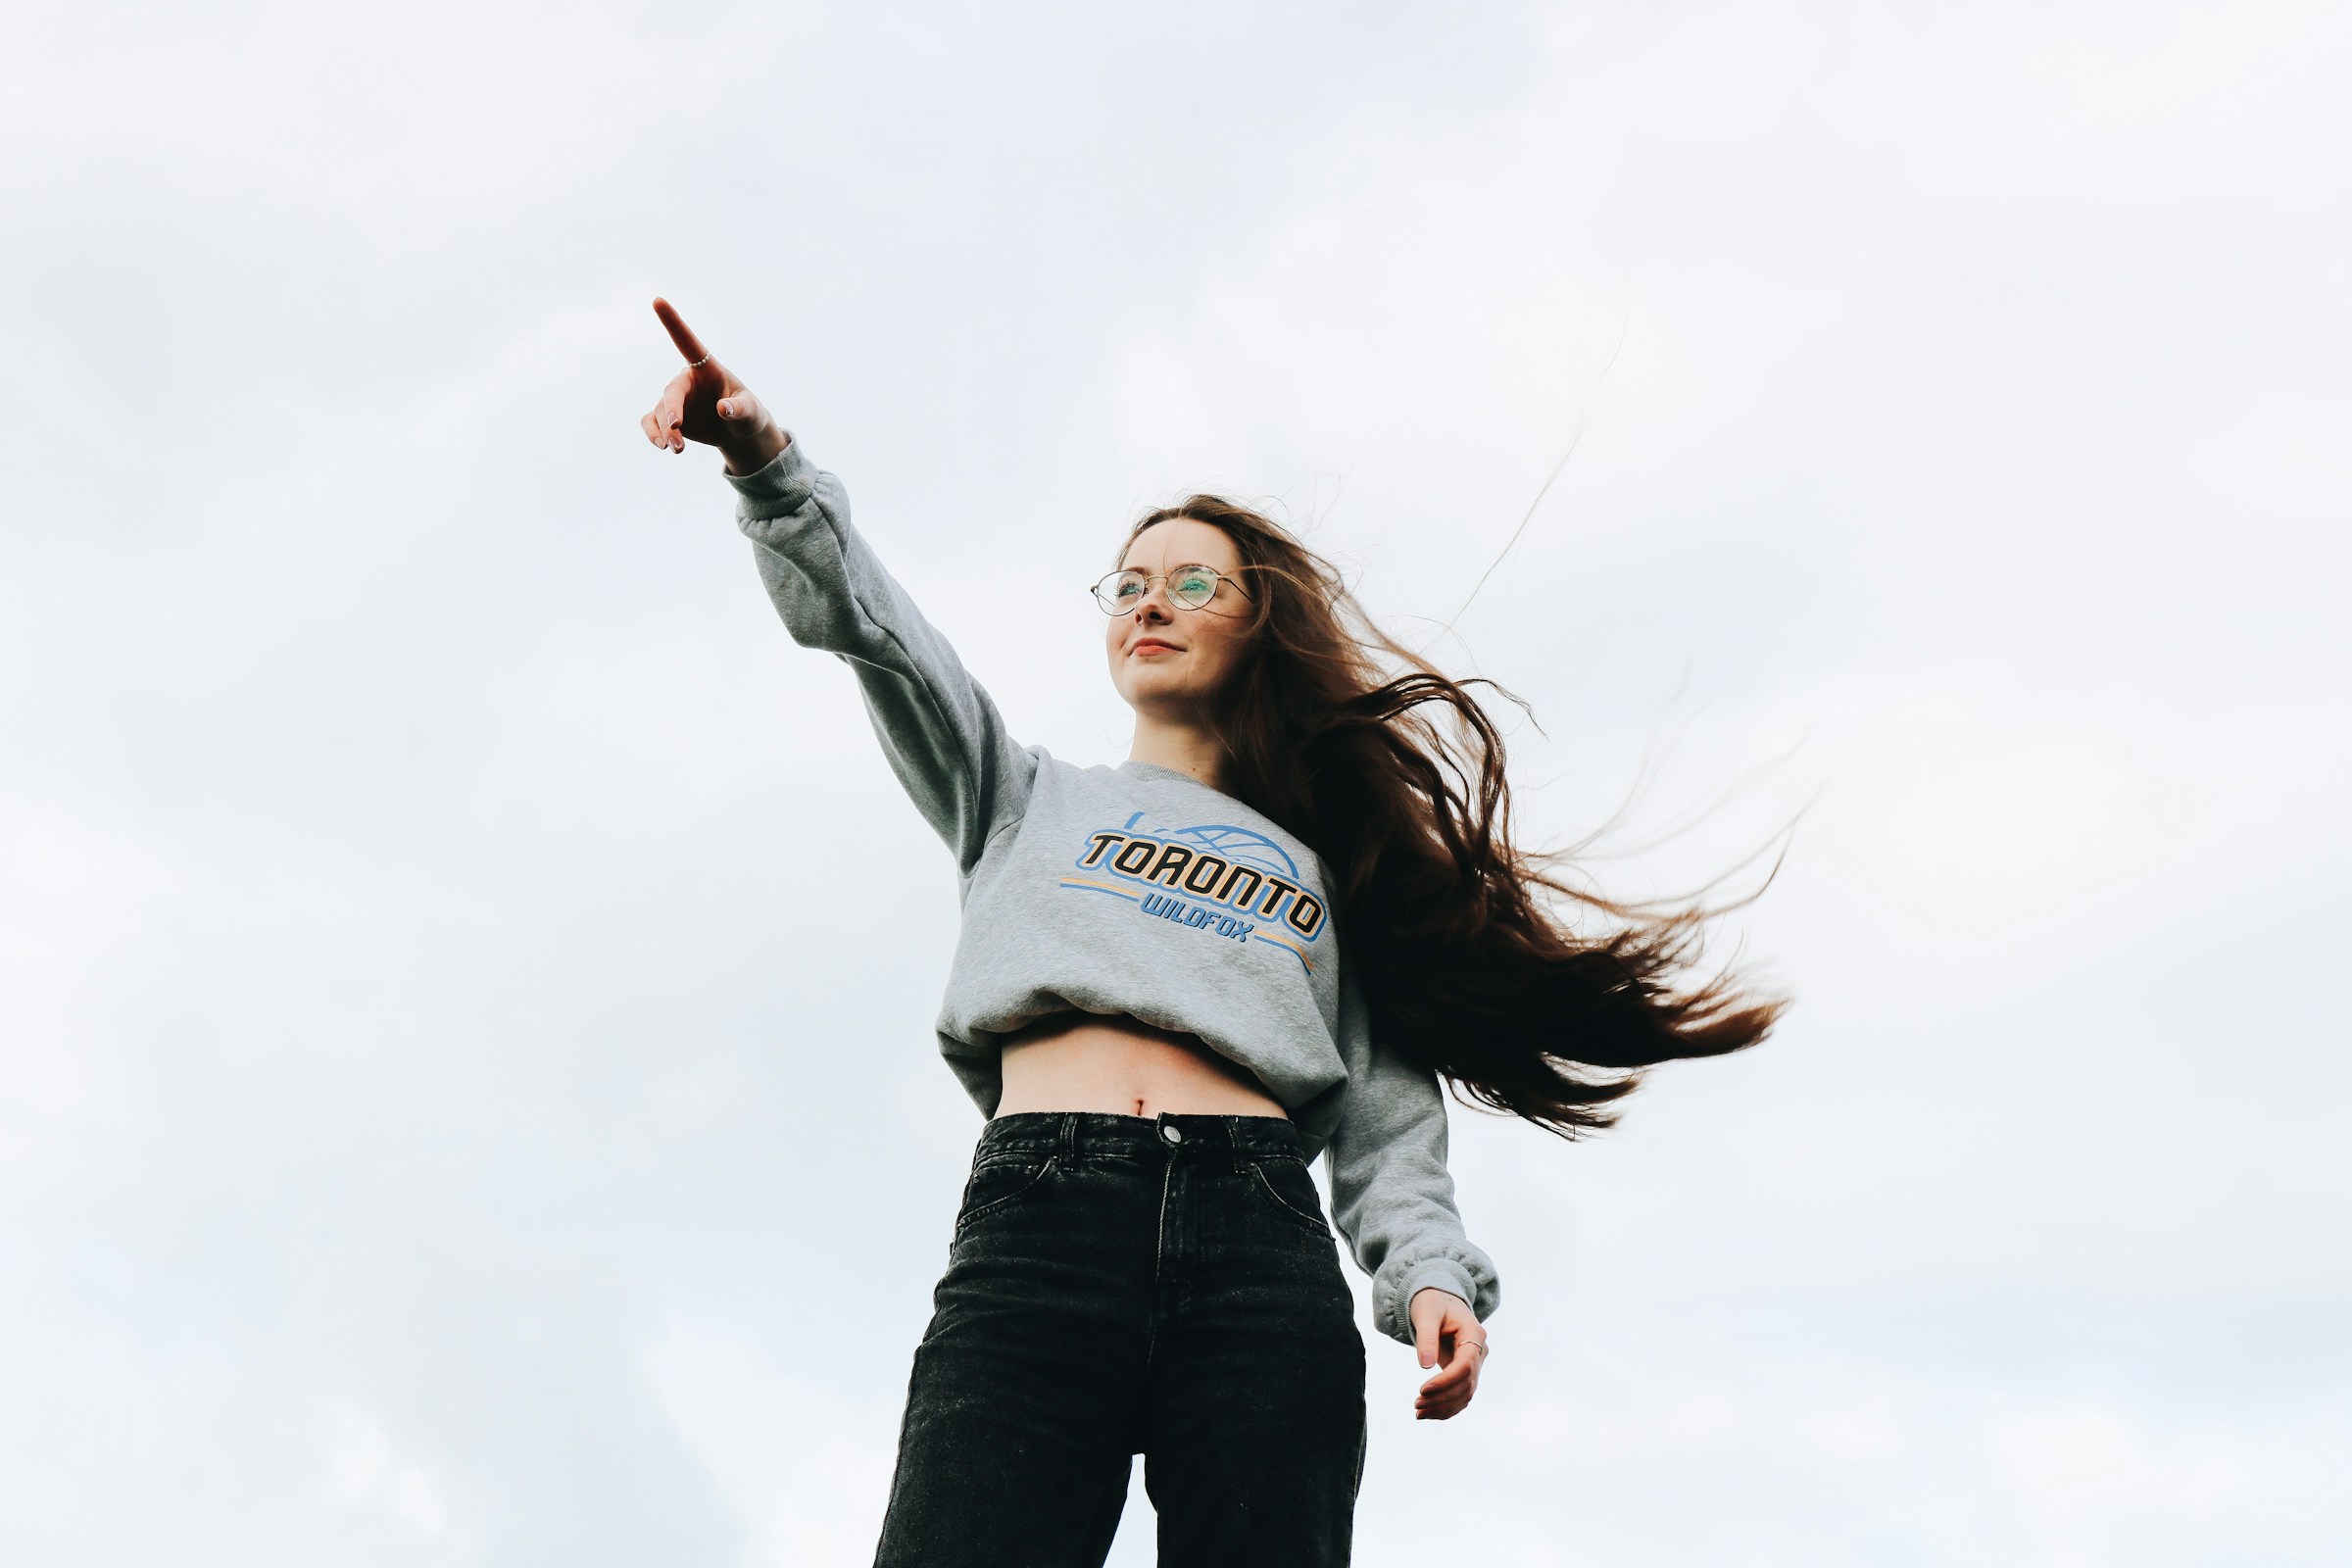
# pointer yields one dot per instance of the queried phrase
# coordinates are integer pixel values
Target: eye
(1195, 583)
(1130, 585)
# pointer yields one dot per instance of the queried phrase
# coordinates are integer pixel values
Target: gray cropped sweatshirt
(1133, 889)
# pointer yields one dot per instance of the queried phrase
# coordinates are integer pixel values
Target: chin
(1143, 693)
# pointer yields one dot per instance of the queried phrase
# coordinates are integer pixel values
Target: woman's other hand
(1445, 1330)
(706, 402)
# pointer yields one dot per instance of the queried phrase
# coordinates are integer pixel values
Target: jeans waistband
(1072, 1135)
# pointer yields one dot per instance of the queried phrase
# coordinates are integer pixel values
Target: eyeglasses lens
(1192, 586)
(1120, 590)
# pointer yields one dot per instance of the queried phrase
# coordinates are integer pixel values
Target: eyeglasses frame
(1095, 589)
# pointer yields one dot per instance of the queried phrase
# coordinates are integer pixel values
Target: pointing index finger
(680, 333)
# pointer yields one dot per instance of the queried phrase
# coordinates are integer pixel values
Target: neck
(1185, 747)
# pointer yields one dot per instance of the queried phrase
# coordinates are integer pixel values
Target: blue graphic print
(1216, 878)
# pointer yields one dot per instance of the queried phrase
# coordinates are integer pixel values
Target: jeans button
(1171, 1132)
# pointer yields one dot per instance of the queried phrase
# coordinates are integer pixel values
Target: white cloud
(363, 1472)
(466, 973)
(805, 1470)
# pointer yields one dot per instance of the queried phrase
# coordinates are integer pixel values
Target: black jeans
(1123, 1285)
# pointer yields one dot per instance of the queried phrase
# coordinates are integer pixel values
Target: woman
(1261, 938)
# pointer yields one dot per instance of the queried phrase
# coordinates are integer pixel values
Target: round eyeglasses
(1189, 588)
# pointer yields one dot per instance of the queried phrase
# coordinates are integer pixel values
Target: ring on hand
(694, 364)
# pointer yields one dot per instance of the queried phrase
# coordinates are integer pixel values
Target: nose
(1153, 608)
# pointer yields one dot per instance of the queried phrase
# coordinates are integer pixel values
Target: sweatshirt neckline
(1135, 770)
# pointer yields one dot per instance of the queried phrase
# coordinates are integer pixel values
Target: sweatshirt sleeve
(938, 727)
(1390, 1189)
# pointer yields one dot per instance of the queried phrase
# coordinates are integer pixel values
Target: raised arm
(937, 726)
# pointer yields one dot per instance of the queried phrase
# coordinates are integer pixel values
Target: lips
(1145, 645)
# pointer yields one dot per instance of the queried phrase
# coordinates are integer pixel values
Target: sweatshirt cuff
(1393, 1312)
(781, 487)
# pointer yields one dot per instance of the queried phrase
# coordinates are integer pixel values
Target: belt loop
(1066, 1145)
(1233, 1146)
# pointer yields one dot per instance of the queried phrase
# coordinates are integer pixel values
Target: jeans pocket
(1291, 1191)
(997, 1182)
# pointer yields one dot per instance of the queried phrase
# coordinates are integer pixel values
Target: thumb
(1426, 1322)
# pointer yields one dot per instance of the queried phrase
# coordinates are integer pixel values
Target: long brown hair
(1393, 773)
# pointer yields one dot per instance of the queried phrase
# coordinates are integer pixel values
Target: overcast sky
(467, 1085)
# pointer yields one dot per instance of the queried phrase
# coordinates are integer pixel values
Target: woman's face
(1166, 660)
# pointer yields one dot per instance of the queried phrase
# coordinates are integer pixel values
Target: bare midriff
(1087, 1061)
